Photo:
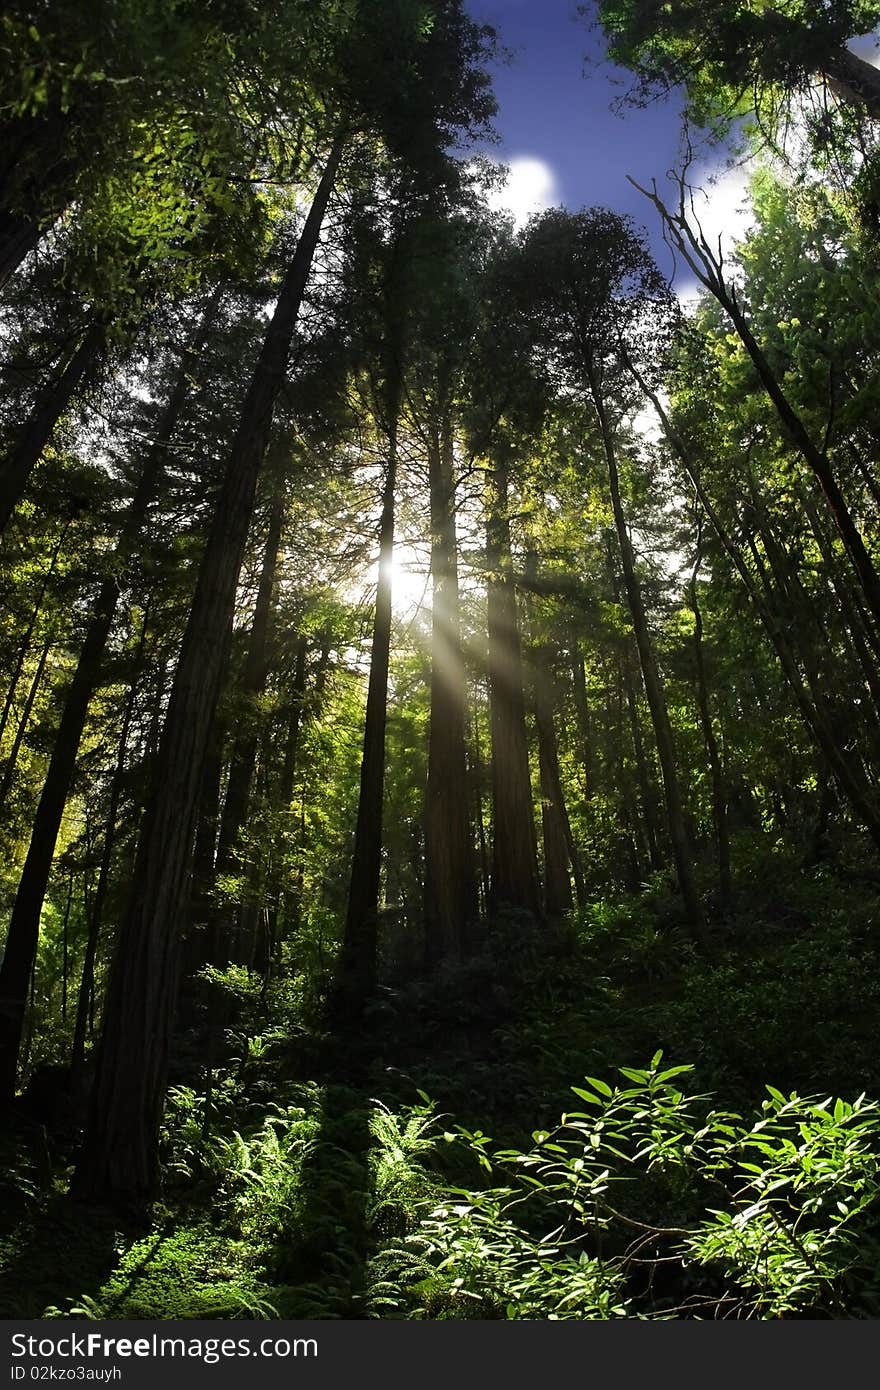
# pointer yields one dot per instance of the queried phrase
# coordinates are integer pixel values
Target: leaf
(601, 1086)
(586, 1095)
(673, 1071)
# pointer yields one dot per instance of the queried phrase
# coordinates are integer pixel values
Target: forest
(439, 676)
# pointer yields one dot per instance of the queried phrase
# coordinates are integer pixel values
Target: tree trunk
(653, 685)
(357, 964)
(557, 838)
(450, 883)
(713, 752)
(87, 979)
(11, 761)
(119, 1158)
(853, 80)
(26, 452)
(245, 743)
(514, 876)
(37, 173)
(851, 784)
(584, 721)
(709, 273)
(25, 645)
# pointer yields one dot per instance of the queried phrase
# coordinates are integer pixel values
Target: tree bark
(87, 979)
(514, 874)
(246, 741)
(25, 645)
(450, 883)
(709, 272)
(559, 847)
(21, 730)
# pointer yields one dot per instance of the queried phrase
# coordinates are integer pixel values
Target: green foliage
(189, 1273)
(779, 1212)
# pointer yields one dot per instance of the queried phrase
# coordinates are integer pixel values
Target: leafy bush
(767, 1218)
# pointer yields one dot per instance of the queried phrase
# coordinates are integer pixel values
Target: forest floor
(309, 1184)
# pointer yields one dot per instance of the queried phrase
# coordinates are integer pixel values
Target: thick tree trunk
(21, 459)
(853, 80)
(514, 876)
(653, 685)
(450, 883)
(119, 1158)
(557, 838)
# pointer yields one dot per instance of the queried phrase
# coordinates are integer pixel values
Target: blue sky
(567, 144)
(555, 102)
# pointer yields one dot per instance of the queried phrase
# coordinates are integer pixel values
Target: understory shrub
(650, 1204)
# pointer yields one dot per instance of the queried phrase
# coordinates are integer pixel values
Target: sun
(410, 582)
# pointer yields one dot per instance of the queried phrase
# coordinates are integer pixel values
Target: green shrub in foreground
(645, 1205)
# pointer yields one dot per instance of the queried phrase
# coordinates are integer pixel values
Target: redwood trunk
(450, 883)
(514, 874)
(357, 966)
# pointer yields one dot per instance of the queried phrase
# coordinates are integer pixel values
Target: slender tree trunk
(12, 760)
(245, 743)
(119, 1158)
(849, 780)
(713, 752)
(709, 273)
(65, 945)
(280, 894)
(651, 676)
(514, 878)
(357, 965)
(653, 685)
(584, 721)
(19, 462)
(477, 779)
(863, 633)
(96, 913)
(25, 646)
(646, 783)
(450, 884)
